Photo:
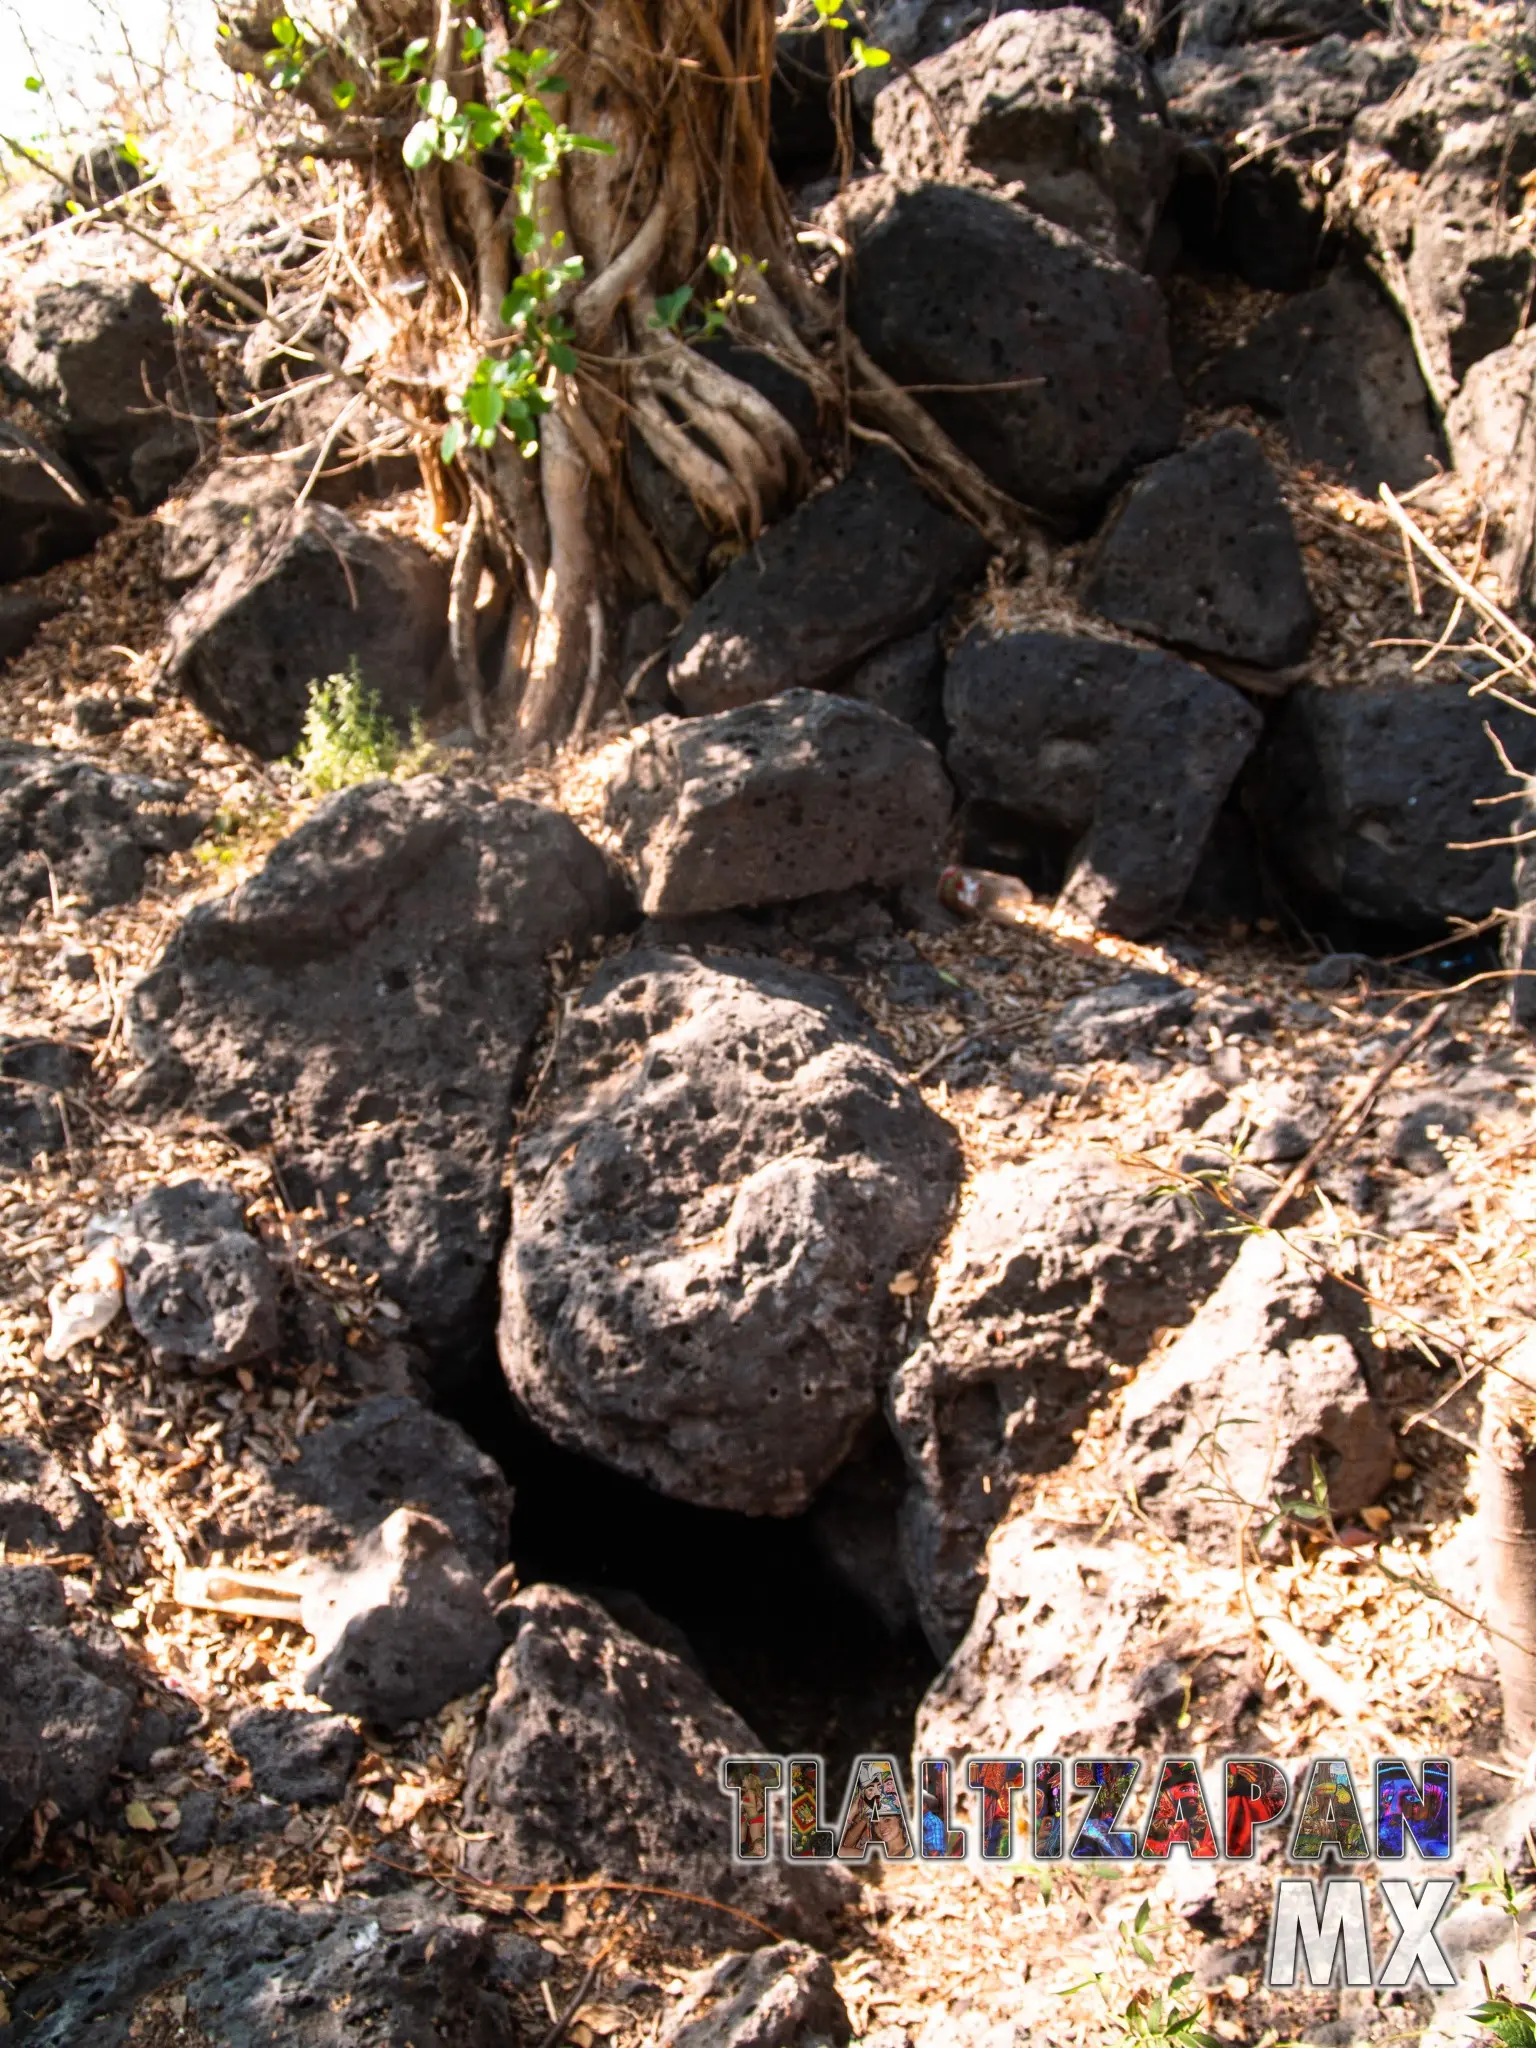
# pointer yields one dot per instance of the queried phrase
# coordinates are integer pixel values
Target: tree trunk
(679, 198)
(1507, 1526)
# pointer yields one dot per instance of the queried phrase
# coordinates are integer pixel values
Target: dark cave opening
(806, 1662)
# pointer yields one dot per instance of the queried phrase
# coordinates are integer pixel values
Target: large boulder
(728, 1172)
(101, 361)
(1258, 120)
(66, 824)
(1441, 161)
(1267, 1379)
(366, 1005)
(1120, 757)
(952, 286)
(1050, 106)
(1362, 793)
(799, 795)
(869, 561)
(45, 517)
(291, 606)
(352, 1474)
(600, 1754)
(1057, 1271)
(1336, 367)
(1084, 1645)
(244, 1972)
(1202, 554)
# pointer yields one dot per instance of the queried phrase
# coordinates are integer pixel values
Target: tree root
(678, 90)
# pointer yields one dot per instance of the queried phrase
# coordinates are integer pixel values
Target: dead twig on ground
(1352, 1113)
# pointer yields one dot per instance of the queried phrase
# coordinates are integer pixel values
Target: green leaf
(284, 32)
(1179, 1980)
(453, 437)
(722, 261)
(33, 84)
(563, 356)
(867, 56)
(483, 406)
(129, 150)
(473, 41)
(1508, 2020)
(420, 145)
(1143, 1915)
(344, 94)
(1142, 1949)
(525, 234)
(670, 307)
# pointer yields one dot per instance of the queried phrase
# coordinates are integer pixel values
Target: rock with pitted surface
(1257, 119)
(247, 1971)
(66, 824)
(1057, 1271)
(1216, 24)
(34, 1074)
(801, 794)
(312, 597)
(1266, 1381)
(100, 360)
(1116, 755)
(236, 502)
(867, 562)
(1336, 367)
(367, 1005)
(1121, 1019)
(1362, 793)
(301, 1758)
(727, 1173)
(1438, 159)
(1084, 1645)
(350, 1475)
(779, 1997)
(907, 680)
(1048, 105)
(584, 1715)
(955, 287)
(401, 1624)
(1201, 553)
(70, 1703)
(1491, 427)
(197, 1287)
(41, 1506)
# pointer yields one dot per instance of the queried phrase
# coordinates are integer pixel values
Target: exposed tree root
(677, 92)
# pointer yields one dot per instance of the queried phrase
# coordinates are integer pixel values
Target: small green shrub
(350, 738)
